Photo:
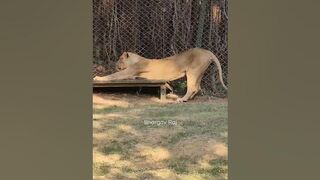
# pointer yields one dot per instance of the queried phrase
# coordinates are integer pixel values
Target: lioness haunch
(191, 63)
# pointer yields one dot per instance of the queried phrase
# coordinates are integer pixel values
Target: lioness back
(174, 67)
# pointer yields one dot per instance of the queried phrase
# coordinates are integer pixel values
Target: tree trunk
(201, 23)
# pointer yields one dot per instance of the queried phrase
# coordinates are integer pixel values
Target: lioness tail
(216, 61)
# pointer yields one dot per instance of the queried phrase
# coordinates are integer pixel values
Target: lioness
(191, 63)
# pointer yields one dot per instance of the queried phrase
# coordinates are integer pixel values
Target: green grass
(100, 169)
(178, 136)
(112, 148)
(180, 165)
(127, 132)
(218, 167)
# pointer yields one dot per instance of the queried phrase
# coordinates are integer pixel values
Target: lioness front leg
(124, 74)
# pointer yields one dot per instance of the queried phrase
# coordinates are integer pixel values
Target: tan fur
(191, 63)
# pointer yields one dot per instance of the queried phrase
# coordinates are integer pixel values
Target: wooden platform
(134, 83)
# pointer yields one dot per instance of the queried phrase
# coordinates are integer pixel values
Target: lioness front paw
(97, 78)
(181, 100)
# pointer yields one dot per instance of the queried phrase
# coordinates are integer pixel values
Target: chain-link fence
(161, 28)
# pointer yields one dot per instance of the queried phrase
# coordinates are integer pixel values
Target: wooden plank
(134, 83)
(163, 93)
(126, 85)
(130, 81)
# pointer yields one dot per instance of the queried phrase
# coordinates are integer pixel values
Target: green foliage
(180, 87)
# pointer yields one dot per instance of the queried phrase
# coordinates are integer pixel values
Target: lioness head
(127, 59)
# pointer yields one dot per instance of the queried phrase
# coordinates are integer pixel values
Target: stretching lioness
(191, 63)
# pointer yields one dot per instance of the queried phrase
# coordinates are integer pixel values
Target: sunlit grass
(193, 148)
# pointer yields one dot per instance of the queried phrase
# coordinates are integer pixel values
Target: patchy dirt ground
(140, 137)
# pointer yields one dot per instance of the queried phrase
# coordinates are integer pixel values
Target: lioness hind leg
(193, 86)
(194, 77)
(197, 89)
(198, 84)
(192, 91)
